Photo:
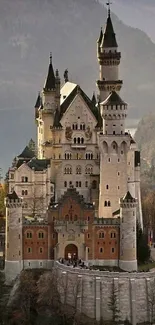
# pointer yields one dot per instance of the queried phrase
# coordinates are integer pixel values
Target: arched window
(109, 204)
(101, 234)
(81, 127)
(78, 170)
(88, 170)
(68, 170)
(78, 140)
(105, 147)
(82, 140)
(68, 155)
(94, 185)
(41, 235)
(105, 203)
(29, 234)
(65, 184)
(113, 234)
(74, 140)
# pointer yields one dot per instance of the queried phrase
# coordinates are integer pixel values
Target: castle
(78, 196)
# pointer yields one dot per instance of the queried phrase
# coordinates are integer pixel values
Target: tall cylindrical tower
(109, 60)
(128, 249)
(13, 244)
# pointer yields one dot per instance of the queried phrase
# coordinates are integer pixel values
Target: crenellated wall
(95, 289)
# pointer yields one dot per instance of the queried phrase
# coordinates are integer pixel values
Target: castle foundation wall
(12, 269)
(96, 289)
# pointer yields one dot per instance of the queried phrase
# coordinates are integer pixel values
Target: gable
(78, 109)
(24, 170)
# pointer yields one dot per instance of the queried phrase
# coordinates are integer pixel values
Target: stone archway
(71, 252)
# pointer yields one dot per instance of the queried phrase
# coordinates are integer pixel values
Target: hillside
(145, 137)
(29, 30)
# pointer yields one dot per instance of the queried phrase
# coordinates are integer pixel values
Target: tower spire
(109, 9)
(50, 57)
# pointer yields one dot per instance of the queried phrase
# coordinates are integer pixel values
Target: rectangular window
(101, 250)
(53, 236)
(41, 235)
(88, 236)
(86, 184)
(12, 176)
(79, 184)
(41, 250)
(88, 250)
(113, 249)
(29, 250)
(76, 184)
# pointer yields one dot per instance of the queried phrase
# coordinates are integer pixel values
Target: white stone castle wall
(96, 289)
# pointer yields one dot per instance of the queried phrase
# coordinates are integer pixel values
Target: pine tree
(113, 305)
(143, 249)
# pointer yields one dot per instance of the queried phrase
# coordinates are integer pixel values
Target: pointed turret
(37, 105)
(109, 37)
(109, 60)
(94, 101)
(50, 81)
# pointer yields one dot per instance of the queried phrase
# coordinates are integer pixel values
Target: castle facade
(79, 196)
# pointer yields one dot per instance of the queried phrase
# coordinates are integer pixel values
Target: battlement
(107, 221)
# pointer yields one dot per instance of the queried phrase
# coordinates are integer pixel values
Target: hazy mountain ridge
(29, 30)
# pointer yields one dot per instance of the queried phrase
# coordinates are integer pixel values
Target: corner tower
(128, 250)
(13, 249)
(109, 60)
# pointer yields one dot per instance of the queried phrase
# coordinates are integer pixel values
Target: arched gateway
(71, 252)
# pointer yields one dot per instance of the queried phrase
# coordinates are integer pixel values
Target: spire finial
(50, 57)
(108, 4)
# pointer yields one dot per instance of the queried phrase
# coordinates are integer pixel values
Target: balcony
(78, 146)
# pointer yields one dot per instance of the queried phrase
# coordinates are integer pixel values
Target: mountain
(138, 14)
(29, 30)
(145, 139)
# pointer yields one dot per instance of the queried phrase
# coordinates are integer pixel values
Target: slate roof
(128, 197)
(113, 99)
(12, 196)
(38, 164)
(50, 81)
(101, 36)
(38, 101)
(26, 153)
(109, 38)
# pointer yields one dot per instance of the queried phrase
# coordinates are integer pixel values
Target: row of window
(88, 170)
(29, 250)
(79, 184)
(101, 235)
(88, 156)
(78, 140)
(81, 126)
(40, 235)
(101, 250)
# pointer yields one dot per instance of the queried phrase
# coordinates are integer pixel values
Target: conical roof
(128, 197)
(38, 101)
(94, 99)
(26, 153)
(113, 99)
(50, 81)
(109, 38)
(100, 37)
(12, 196)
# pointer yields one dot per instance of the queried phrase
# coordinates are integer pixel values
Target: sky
(136, 13)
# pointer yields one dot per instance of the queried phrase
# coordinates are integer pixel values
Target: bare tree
(61, 294)
(35, 205)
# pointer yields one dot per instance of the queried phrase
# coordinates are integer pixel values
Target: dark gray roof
(12, 196)
(128, 197)
(101, 36)
(50, 81)
(38, 101)
(113, 99)
(39, 164)
(109, 38)
(26, 153)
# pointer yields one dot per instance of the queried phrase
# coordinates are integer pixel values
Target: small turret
(128, 250)
(50, 80)
(13, 249)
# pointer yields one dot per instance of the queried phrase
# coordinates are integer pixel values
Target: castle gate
(71, 252)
